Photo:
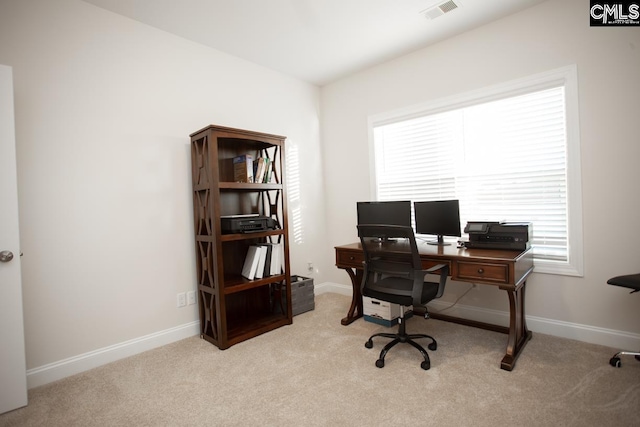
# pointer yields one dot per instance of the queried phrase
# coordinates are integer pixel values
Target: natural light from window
(508, 153)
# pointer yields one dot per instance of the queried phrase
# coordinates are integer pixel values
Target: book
(276, 259)
(243, 168)
(250, 263)
(268, 167)
(267, 260)
(262, 256)
(259, 169)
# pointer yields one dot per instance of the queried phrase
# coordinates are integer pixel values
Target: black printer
(498, 235)
(251, 223)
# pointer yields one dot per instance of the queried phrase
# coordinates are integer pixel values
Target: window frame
(565, 76)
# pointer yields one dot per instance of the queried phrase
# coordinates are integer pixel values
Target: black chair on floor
(393, 273)
(630, 281)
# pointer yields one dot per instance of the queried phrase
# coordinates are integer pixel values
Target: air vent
(440, 9)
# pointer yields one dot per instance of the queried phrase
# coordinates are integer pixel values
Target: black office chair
(393, 273)
(630, 281)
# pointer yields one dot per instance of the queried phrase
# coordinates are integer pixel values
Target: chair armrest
(436, 268)
(444, 274)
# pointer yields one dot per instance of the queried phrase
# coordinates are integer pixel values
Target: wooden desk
(506, 269)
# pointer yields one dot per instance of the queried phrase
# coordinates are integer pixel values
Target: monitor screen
(388, 213)
(439, 218)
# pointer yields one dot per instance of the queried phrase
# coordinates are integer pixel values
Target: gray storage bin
(302, 294)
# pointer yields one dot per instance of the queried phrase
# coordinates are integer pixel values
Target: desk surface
(452, 251)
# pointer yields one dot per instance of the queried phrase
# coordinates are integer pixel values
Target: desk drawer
(346, 259)
(483, 272)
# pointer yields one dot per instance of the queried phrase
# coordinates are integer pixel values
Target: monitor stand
(385, 239)
(439, 242)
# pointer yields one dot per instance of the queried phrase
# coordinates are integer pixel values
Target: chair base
(403, 337)
(617, 363)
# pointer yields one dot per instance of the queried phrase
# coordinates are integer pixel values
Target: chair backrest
(389, 251)
(393, 269)
(389, 246)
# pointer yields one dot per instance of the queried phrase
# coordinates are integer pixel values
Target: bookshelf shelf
(232, 237)
(242, 186)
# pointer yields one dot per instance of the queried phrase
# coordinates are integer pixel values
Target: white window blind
(504, 160)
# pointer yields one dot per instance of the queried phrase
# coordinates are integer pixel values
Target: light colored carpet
(317, 372)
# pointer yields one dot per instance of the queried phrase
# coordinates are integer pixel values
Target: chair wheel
(380, 363)
(425, 365)
(368, 344)
(433, 347)
(615, 362)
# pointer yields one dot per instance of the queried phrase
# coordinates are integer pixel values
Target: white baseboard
(74, 365)
(336, 288)
(83, 362)
(575, 331)
(619, 340)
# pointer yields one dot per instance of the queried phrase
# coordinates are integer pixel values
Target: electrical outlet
(310, 267)
(182, 299)
(191, 297)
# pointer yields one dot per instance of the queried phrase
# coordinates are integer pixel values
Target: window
(510, 152)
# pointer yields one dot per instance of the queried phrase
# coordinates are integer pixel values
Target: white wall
(547, 36)
(104, 109)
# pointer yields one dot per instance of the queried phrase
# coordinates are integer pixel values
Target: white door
(13, 374)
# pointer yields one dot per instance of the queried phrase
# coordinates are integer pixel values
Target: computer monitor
(439, 218)
(387, 213)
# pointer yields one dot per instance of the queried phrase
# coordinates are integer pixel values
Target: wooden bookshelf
(232, 308)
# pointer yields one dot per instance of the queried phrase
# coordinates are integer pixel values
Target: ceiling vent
(440, 9)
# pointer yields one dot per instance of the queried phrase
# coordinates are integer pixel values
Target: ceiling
(317, 41)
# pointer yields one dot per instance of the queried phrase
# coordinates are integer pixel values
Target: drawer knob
(480, 270)
(352, 258)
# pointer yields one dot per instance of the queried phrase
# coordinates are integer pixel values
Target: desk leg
(518, 332)
(355, 311)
